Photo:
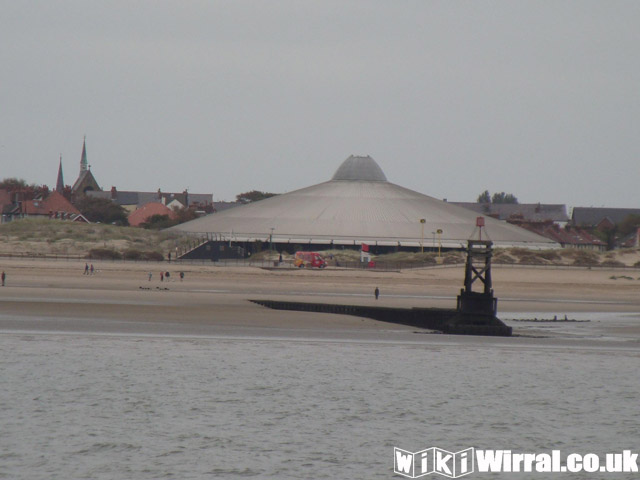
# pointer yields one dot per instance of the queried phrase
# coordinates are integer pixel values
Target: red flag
(365, 247)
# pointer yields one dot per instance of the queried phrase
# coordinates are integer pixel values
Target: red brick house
(54, 207)
(142, 214)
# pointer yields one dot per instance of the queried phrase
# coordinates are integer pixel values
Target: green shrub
(153, 256)
(612, 263)
(133, 254)
(503, 257)
(104, 254)
(520, 252)
(551, 255)
(453, 258)
(531, 259)
(585, 258)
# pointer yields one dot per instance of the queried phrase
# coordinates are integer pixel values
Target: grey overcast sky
(537, 98)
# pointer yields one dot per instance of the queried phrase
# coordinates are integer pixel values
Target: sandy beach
(119, 298)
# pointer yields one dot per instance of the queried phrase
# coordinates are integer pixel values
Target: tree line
(502, 197)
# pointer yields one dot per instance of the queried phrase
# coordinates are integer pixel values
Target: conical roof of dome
(358, 205)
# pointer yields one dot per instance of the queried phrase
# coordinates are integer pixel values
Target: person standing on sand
(4, 276)
(150, 275)
(91, 269)
(376, 292)
(86, 269)
(162, 276)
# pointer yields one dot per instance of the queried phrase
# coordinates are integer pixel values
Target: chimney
(186, 198)
(114, 193)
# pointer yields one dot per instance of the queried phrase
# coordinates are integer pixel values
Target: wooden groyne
(444, 320)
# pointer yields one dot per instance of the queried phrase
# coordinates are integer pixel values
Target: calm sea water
(79, 406)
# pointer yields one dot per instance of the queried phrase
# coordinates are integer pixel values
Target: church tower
(84, 165)
(60, 181)
(86, 181)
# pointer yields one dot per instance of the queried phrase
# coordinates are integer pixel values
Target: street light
(422, 222)
(271, 239)
(439, 232)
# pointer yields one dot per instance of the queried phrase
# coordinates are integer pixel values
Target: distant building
(567, 236)
(6, 206)
(523, 212)
(601, 218)
(60, 179)
(132, 200)
(85, 182)
(630, 241)
(548, 220)
(145, 212)
(357, 205)
(54, 207)
(220, 206)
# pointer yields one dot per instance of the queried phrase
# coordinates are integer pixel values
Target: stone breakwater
(444, 320)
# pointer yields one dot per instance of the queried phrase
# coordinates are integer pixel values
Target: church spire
(60, 182)
(83, 159)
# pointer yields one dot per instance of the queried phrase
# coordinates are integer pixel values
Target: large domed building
(358, 205)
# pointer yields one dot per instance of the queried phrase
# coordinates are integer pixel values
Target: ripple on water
(117, 407)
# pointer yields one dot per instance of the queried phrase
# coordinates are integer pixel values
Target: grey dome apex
(357, 168)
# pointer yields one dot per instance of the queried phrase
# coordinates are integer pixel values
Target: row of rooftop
(578, 230)
(549, 220)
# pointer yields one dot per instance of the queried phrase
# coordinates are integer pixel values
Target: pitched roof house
(528, 212)
(142, 214)
(593, 217)
(54, 207)
(567, 237)
(131, 200)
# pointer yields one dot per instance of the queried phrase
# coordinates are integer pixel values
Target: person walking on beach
(150, 275)
(91, 269)
(4, 277)
(376, 292)
(86, 269)
(181, 276)
(162, 276)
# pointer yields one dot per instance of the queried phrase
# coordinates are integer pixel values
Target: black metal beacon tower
(478, 271)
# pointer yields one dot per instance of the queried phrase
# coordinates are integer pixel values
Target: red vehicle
(309, 260)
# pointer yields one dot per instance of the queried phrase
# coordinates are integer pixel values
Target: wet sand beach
(119, 298)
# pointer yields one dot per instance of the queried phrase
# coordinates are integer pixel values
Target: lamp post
(439, 232)
(271, 240)
(422, 222)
